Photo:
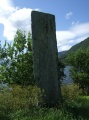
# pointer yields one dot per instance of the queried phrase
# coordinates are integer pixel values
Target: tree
(80, 68)
(17, 65)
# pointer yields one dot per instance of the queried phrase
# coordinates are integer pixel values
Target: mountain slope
(83, 45)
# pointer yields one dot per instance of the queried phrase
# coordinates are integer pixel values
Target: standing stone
(45, 55)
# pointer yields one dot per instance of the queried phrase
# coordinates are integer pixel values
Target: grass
(75, 102)
(86, 98)
(46, 114)
(22, 104)
(83, 108)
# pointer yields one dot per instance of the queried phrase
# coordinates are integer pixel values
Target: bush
(21, 103)
(15, 98)
(75, 102)
(70, 92)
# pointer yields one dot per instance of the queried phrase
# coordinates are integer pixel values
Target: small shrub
(70, 92)
(75, 102)
(71, 95)
(18, 99)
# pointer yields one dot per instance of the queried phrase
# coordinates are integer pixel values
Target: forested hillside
(82, 45)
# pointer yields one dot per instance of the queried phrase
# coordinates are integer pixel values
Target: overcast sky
(72, 19)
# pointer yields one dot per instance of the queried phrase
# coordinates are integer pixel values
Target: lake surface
(67, 79)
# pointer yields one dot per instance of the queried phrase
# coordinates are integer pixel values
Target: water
(67, 79)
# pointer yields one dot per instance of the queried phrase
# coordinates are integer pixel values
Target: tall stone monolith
(45, 55)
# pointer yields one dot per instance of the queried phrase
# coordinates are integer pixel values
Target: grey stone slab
(45, 55)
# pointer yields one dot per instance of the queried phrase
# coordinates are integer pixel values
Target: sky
(71, 17)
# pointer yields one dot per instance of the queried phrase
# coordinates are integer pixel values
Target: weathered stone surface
(45, 55)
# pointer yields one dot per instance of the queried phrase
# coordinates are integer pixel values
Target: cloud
(75, 23)
(14, 18)
(68, 15)
(81, 29)
(75, 34)
(64, 47)
(6, 8)
(20, 19)
(6, 4)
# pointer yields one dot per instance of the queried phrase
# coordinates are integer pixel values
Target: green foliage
(80, 68)
(82, 45)
(45, 114)
(85, 101)
(70, 93)
(75, 102)
(17, 65)
(21, 103)
(14, 99)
